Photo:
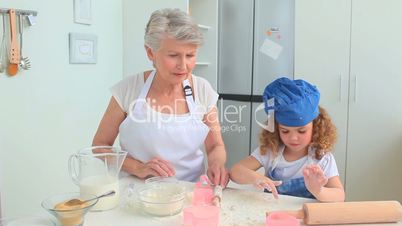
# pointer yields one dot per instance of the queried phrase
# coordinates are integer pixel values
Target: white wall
(135, 17)
(51, 111)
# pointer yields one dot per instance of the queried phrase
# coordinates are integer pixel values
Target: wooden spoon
(77, 202)
(12, 68)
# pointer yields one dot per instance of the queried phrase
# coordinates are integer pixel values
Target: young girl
(296, 152)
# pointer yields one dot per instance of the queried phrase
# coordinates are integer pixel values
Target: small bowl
(162, 197)
(161, 180)
(69, 216)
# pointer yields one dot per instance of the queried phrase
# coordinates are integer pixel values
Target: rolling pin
(216, 200)
(348, 212)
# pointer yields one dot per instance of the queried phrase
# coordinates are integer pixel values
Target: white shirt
(291, 170)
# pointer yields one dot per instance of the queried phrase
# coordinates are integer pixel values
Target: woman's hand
(218, 174)
(215, 150)
(266, 183)
(314, 178)
(155, 167)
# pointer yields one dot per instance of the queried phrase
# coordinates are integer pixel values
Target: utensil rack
(12, 60)
(19, 12)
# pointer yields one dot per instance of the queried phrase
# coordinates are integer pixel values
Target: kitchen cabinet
(205, 13)
(352, 51)
(322, 49)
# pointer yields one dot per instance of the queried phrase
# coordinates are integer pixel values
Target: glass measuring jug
(96, 171)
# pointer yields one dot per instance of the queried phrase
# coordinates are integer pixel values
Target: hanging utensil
(3, 49)
(25, 63)
(14, 56)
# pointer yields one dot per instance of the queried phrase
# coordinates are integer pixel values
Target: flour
(239, 207)
(235, 213)
(163, 200)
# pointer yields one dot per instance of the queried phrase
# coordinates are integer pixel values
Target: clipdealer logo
(267, 123)
(230, 116)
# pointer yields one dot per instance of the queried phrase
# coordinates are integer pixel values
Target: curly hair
(323, 137)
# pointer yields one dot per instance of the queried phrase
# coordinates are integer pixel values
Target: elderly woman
(163, 116)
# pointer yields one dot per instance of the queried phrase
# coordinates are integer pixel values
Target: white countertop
(239, 208)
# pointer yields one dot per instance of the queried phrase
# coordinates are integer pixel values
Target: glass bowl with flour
(162, 196)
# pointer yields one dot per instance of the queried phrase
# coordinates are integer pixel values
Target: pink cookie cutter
(281, 219)
(203, 192)
(201, 216)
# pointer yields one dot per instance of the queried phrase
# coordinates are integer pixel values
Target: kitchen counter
(239, 208)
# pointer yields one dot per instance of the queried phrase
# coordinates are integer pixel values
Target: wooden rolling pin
(216, 200)
(348, 212)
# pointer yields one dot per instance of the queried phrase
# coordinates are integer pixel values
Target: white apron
(295, 186)
(146, 133)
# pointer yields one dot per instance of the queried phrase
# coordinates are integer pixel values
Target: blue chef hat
(295, 102)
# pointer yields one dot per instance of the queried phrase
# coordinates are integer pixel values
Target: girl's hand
(155, 167)
(270, 185)
(218, 174)
(314, 178)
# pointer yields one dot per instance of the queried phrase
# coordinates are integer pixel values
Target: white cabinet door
(322, 46)
(374, 154)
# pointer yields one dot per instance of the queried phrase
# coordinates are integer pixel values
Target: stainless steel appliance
(256, 45)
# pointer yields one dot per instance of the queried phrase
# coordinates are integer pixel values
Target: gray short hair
(175, 24)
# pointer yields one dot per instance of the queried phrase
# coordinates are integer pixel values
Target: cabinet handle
(355, 88)
(340, 88)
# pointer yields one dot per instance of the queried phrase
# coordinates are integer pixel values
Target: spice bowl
(69, 215)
